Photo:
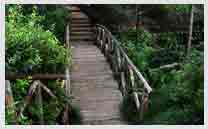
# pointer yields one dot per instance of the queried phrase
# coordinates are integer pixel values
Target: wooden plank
(93, 85)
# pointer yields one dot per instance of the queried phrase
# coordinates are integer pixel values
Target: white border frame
(2, 58)
(106, 1)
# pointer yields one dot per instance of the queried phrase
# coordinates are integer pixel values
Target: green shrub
(137, 43)
(55, 20)
(177, 96)
(129, 113)
(27, 43)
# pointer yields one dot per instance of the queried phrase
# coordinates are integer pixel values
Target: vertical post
(137, 20)
(65, 117)
(40, 104)
(123, 83)
(142, 105)
(103, 41)
(10, 106)
(136, 100)
(98, 35)
(67, 87)
(132, 80)
(67, 36)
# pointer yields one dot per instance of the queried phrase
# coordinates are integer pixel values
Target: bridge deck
(93, 86)
(94, 89)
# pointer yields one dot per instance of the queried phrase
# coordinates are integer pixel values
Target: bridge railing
(36, 88)
(130, 79)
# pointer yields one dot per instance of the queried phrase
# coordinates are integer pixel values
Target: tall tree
(190, 29)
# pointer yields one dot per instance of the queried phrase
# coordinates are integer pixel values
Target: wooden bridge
(101, 77)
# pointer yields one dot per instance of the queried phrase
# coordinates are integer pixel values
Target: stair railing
(35, 90)
(67, 89)
(130, 79)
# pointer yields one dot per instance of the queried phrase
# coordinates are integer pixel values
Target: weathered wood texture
(130, 79)
(93, 86)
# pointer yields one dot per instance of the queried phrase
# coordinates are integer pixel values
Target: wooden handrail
(118, 44)
(127, 74)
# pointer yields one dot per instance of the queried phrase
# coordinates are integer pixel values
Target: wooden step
(74, 25)
(78, 29)
(81, 33)
(94, 88)
(79, 16)
(73, 8)
(80, 21)
(87, 37)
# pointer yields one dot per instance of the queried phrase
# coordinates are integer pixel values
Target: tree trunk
(190, 30)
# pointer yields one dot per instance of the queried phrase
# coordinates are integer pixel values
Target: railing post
(124, 70)
(65, 118)
(123, 83)
(97, 35)
(40, 104)
(67, 36)
(142, 107)
(102, 44)
(10, 105)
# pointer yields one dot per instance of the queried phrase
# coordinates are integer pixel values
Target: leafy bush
(137, 44)
(52, 107)
(32, 49)
(55, 19)
(177, 96)
(28, 44)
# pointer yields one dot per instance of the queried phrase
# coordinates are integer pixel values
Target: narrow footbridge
(101, 74)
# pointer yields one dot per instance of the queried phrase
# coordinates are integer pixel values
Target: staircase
(94, 89)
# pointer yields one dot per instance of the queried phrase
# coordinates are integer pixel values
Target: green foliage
(52, 107)
(76, 116)
(27, 43)
(183, 8)
(167, 40)
(177, 96)
(21, 87)
(129, 113)
(9, 115)
(179, 8)
(137, 44)
(55, 20)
